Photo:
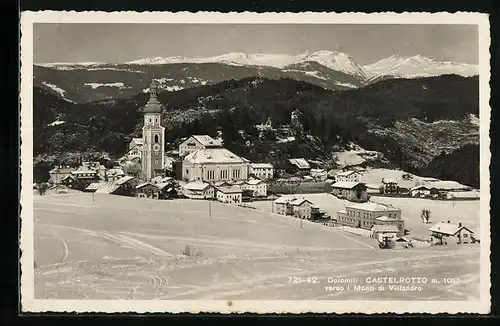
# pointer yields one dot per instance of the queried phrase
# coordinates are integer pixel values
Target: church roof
(153, 105)
(214, 155)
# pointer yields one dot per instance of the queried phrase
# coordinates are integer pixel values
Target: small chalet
(147, 190)
(390, 186)
(444, 231)
(229, 195)
(59, 172)
(128, 185)
(199, 190)
(167, 190)
(423, 191)
(298, 165)
(69, 181)
(94, 186)
(352, 191)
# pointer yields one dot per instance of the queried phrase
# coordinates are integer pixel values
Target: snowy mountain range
(88, 81)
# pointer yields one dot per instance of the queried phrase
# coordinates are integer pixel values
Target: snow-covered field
(113, 247)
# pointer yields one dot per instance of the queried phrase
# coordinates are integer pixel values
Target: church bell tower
(153, 137)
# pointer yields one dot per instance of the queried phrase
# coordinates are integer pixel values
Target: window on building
(157, 138)
(187, 171)
(150, 120)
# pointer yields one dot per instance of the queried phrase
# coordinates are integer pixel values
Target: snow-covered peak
(335, 60)
(418, 66)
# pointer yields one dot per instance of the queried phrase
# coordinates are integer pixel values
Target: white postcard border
(30, 304)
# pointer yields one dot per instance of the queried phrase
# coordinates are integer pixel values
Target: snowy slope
(418, 66)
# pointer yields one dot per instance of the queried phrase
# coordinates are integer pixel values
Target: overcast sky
(365, 43)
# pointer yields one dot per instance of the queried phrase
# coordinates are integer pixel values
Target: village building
(153, 137)
(196, 142)
(167, 190)
(109, 188)
(199, 190)
(390, 186)
(366, 215)
(268, 125)
(135, 143)
(301, 208)
(69, 181)
(114, 174)
(229, 194)
(161, 179)
(147, 190)
(281, 206)
(258, 188)
(442, 232)
(381, 231)
(58, 173)
(319, 175)
(295, 118)
(298, 165)
(348, 176)
(264, 171)
(423, 191)
(214, 164)
(85, 176)
(94, 186)
(128, 185)
(352, 191)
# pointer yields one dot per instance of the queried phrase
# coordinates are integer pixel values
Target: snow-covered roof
(137, 141)
(83, 171)
(58, 169)
(95, 185)
(388, 181)
(421, 187)
(373, 207)
(197, 185)
(214, 155)
(143, 184)
(220, 183)
(115, 172)
(123, 180)
(206, 140)
(282, 200)
(300, 201)
(317, 171)
(447, 228)
(346, 173)
(162, 185)
(107, 188)
(229, 190)
(301, 163)
(261, 165)
(346, 184)
(384, 218)
(254, 182)
(385, 228)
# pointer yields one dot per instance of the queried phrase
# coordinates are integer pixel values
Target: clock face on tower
(156, 147)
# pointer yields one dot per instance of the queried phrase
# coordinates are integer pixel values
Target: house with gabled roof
(147, 190)
(348, 176)
(196, 142)
(443, 232)
(199, 190)
(350, 190)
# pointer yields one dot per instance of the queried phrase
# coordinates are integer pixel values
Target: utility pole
(209, 209)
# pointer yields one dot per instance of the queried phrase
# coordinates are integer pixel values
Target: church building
(153, 137)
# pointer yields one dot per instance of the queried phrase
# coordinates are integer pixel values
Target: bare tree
(426, 215)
